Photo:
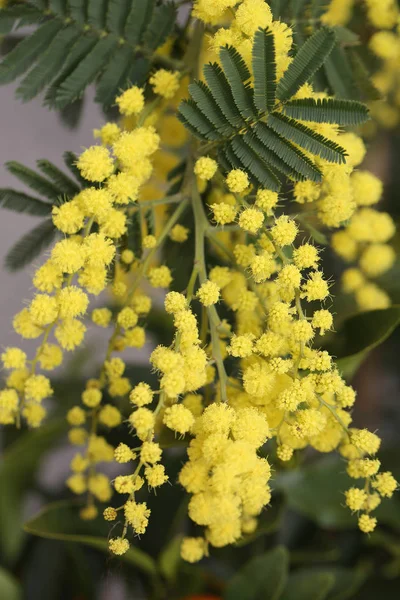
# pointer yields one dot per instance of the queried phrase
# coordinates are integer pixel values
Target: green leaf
(9, 587)
(13, 15)
(308, 584)
(207, 105)
(160, 26)
(222, 94)
(254, 165)
(79, 50)
(238, 74)
(17, 470)
(58, 6)
(327, 110)
(262, 577)
(287, 152)
(30, 246)
(61, 521)
(317, 492)
(64, 183)
(272, 159)
(347, 582)
(138, 20)
(26, 52)
(87, 70)
(362, 77)
(306, 138)
(97, 13)
(264, 69)
(114, 76)
(360, 334)
(193, 118)
(71, 114)
(306, 63)
(49, 64)
(117, 14)
(33, 180)
(170, 558)
(22, 203)
(339, 74)
(76, 9)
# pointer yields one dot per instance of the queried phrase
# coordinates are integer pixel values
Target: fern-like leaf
(306, 63)
(160, 26)
(64, 183)
(200, 126)
(86, 72)
(138, 20)
(208, 106)
(238, 74)
(287, 152)
(26, 52)
(30, 246)
(70, 160)
(258, 169)
(97, 13)
(49, 64)
(115, 76)
(22, 203)
(327, 110)
(264, 69)
(117, 13)
(33, 180)
(222, 94)
(306, 138)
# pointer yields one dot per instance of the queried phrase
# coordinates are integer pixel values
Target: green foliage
(18, 468)
(56, 187)
(61, 521)
(316, 491)
(360, 334)
(77, 43)
(9, 587)
(262, 577)
(267, 576)
(247, 126)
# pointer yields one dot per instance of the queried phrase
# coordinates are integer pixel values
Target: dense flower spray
(279, 388)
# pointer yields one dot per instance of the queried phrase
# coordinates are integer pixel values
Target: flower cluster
(226, 387)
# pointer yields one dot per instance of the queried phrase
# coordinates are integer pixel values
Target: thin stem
(201, 227)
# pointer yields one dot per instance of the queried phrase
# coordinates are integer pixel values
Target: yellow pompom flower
(284, 231)
(178, 418)
(367, 188)
(376, 259)
(385, 484)
(365, 440)
(108, 133)
(110, 514)
(137, 515)
(110, 416)
(355, 498)
(174, 302)
(123, 454)
(25, 326)
(251, 219)
(70, 333)
(48, 277)
(150, 452)
(141, 394)
(251, 15)
(68, 256)
(37, 387)
(306, 256)
(118, 546)
(208, 293)
(43, 309)
(193, 549)
(13, 358)
(127, 318)
(68, 217)
(123, 188)
(179, 234)
(267, 201)
(322, 320)
(34, 414)
(205, 168)
(95, 164)
(241, 346)
(366, 523)
(100, 250)
(72, 302)
(102, 317)
(131, 102)
(165, 83)
(223, 213)
(237, 181)
(160, 277)
(76, 416)
(50, 357)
